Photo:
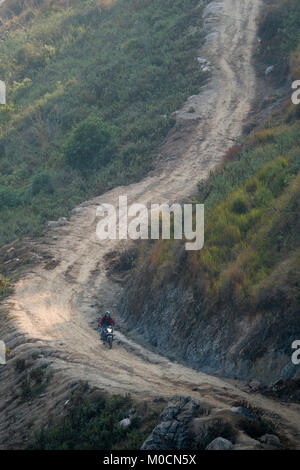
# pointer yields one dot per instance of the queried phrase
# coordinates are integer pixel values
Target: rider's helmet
(107, 314)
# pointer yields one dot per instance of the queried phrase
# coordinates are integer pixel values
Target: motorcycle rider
(105, 321)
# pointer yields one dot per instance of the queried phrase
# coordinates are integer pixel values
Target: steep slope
(72, 68)
(55, 305)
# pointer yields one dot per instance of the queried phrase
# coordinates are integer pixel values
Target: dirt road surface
(55, 308)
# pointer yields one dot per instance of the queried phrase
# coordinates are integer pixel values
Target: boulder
(172, 430)
(245, 442)
(270, 440)
(125, 423)
(77, 210)
(57, 223)
(220, 443)
(255, 385)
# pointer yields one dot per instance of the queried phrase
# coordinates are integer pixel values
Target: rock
(172, 430)
(245, 442)
(270, 440)
(269, 70)
(57, 223)
(51, 224)
(220, 443)
(125, 423)
(77, 210)
(255, 385)
(204, 429)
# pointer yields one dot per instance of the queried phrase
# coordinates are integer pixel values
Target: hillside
(99, 93)
(233, 307)
(91, 91)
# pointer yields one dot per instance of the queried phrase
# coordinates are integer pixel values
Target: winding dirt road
(56, 307)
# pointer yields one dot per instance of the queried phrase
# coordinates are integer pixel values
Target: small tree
(89, 145)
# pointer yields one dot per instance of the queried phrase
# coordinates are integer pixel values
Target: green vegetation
(33, 380)
(280, 33)
(251, 258)
(89, 145)
(5, 287)
(91, 92)
(93, 424)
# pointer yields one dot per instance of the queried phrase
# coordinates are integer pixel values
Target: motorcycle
(108, 336)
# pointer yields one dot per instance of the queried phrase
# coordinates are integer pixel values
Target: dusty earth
(55, 306)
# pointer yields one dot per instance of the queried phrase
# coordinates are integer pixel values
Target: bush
(42, 182)
(92, 425)
(4, 286)
(232, 154)
(239, 205)
(90, 144)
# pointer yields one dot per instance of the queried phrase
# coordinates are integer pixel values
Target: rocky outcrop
(188, 424)
(176, 321)
(270, 440)
(172, 430)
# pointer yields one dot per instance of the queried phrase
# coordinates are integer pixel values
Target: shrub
(19, 88)
(239, 204)
(42, 182)
(92, 425)
(263, 136)
(4, 286)
(90, 144)
(232, 153)
(30, 55)
(6, 114)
